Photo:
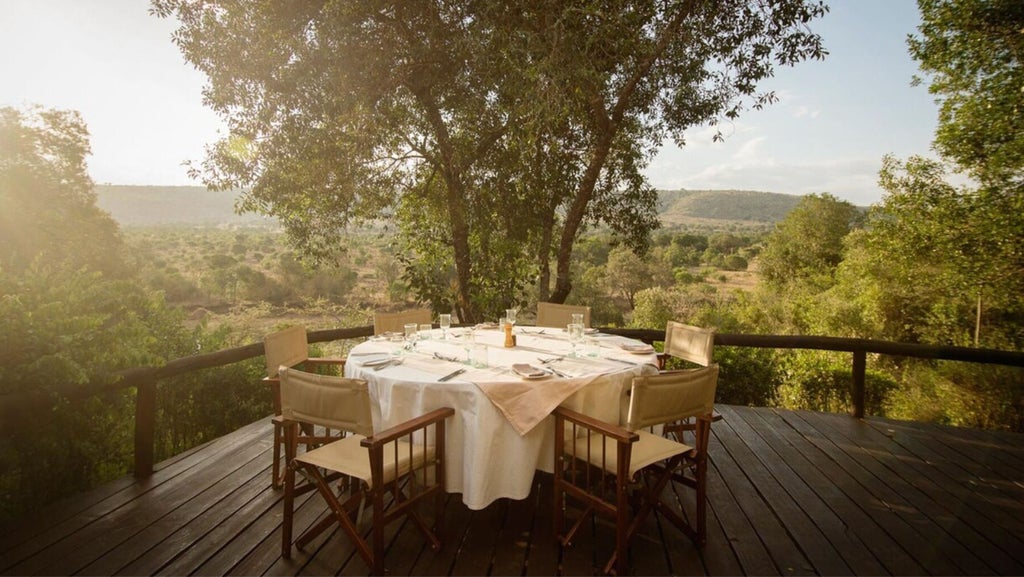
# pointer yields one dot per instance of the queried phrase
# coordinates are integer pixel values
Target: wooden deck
(790, 493)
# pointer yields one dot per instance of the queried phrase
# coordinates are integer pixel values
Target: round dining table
(502, 431)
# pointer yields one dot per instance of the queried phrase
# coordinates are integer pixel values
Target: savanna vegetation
(483, 148)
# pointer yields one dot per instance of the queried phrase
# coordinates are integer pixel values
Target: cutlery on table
(451, 375)
(560, 373)
(387, 364)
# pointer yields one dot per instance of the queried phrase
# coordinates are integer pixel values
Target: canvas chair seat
(646, 451)
(349, 457)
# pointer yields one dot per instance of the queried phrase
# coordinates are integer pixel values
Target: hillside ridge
(138, 206)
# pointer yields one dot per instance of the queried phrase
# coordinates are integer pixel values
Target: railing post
(857, 391)
(145, 428)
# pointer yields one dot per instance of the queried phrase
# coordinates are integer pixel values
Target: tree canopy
(491, 134)
(973, 51)
(47, 204)
(808, 243)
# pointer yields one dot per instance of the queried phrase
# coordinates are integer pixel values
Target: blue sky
(114, 63)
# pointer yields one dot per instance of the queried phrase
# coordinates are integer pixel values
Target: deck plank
(844, 552)
(790, 492)
(912, 480)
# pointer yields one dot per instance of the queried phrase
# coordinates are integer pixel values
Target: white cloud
(805, 112)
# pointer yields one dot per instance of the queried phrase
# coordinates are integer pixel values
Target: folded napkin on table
(526, 403)
(528, 370)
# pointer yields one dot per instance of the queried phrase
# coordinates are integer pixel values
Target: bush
(735, 262)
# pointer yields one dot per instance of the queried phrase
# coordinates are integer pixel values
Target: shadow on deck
(789, 493)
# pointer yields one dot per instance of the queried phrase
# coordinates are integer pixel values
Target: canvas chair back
(557, 315)
(689, 343)
(329, 401)
(395, 322)
(671, 396)
(287, 347)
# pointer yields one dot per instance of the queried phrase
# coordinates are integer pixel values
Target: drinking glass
(424, 332)
(575, 331)
(577, 319)
(478, 356)
(445, 323)
(410, 334)
(397, 344)
(510, 314)
(468, 343)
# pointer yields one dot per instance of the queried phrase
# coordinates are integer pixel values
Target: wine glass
(446, 323)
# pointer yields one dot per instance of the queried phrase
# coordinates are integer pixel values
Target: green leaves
(973, 52)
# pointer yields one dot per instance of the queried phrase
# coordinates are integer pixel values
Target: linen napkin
(525, 403)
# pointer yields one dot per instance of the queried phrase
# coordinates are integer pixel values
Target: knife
(451, 375)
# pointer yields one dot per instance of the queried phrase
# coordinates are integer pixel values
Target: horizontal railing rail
(15, 408)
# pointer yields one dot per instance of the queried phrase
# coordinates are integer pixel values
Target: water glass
(575, 331)
(397, 344)
(478, 356)
(424, 332)
(468, 343)
(410, 333)
(577, 319)
(445, 323)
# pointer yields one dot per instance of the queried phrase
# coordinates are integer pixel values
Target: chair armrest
(607, 429)
(407, 427)
(325, 361)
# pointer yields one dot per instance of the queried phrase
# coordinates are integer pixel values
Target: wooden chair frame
(296, 356)
(346, 513)
(605, 462)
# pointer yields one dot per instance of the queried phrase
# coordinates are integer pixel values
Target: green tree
(973, 53)
(943, 261)
(487, 132)
(47, 205)
(808, 244)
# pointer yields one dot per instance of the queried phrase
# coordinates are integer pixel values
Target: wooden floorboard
(790, 493)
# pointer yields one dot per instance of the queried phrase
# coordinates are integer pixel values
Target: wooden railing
(15, 408)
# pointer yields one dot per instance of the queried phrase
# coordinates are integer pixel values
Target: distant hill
(133, 206)
(746, 206)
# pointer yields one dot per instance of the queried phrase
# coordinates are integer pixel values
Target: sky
(835, 119)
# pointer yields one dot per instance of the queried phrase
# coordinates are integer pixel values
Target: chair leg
(702, 502)
(289, 505)
(275, 474)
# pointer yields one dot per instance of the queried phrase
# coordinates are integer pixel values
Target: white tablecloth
(487, 456)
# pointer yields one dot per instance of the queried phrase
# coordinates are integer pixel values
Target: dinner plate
(377, 362)
(637, 349)
(590, 331)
